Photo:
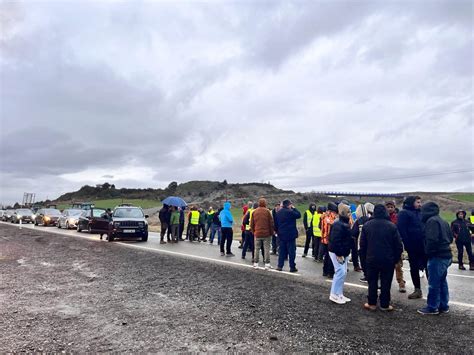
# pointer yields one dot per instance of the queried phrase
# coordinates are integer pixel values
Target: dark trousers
(248, 243)
(316, 248)
(193, 232)
(385, 274)
(309, 240)
(461, 245)
(202, 229)
(328, 267)
(275, 244)
(287, 249)
(181, 230)
(417, 262)
(226, 239)
(164, 229)
(208, 227)
(362, 264)
(355, 252)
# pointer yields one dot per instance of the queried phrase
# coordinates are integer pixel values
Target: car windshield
(74, 212)
(128, 213)
(52, 212)
(98, 212)
(24, 211)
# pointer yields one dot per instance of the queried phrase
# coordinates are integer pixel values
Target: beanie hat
(286, 203)
(344, 210)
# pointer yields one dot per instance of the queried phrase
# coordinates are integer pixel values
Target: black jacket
(460, 229)
(380, 242)
(438, 235)
(165, 215)
(410, 227)
(340, 240)
(357, 227)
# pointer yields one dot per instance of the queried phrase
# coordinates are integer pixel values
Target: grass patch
(463, 197)
(111, 203)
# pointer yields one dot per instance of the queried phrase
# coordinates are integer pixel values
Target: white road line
(450, 302)
(456, 275)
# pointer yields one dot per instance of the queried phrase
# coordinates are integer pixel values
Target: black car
(94, 220)
(128, 222)
(47, 216)
(24, 215)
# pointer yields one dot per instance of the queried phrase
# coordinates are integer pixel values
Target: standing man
(287, 232)
(209, 217)
(317, 234)
(202, 223)
(227, 234)
(164, 215)
(381, 247)
(216, 228)
(248, 235)
(438, 250)
(275, 240)
(308, 227)
(463, 239)
(392, 214)
(193, 224)
(411, 230)
(181, 222)
(262, 227)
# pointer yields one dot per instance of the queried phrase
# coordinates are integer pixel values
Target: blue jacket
(226, 217)
(411, 230)
(285, 223)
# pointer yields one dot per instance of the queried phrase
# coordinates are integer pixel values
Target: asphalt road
(60, 293)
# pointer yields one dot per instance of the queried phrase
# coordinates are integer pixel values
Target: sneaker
(388, 309)
(347, 299)
(444, 311)
(422, 274)
(304, 255)
(279, 269)
(268, 267)
(294, 270)
(428, 311)
(337, 299)
(402, 289)
(230, 254)
(370, 307)
(255, 265)
(162, 242)
(416, 294)
(363, 279)
(461, 267)
(222, 254)
(243, 257)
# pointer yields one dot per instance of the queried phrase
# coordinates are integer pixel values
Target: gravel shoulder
(68, 294)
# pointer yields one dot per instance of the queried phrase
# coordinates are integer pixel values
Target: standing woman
(227, 233)
(340, 243)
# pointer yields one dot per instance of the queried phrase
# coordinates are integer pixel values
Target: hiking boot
(461, 267)
(416, 294)
(279, 269)
(428, 311)
(370, 307)
(402, 289)
(294, 270)
(388, 309)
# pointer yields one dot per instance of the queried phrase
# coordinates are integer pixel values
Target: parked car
(25, 215)
(128, 222)
(7, 215)
(94, 220)
(2, 212)
(69, 218)
(47, 216)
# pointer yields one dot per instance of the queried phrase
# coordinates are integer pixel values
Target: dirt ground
(66, 294)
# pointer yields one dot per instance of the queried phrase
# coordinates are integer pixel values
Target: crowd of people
(373, 236)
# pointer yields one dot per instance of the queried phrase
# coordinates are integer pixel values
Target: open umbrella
(174, 201)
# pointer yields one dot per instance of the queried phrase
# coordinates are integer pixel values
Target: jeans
(248, 243)
(265, 243)
(337, 287)
(461, 246)
(287, 249)
(215, 228)
(438, 293)
(226, 239)
(208, 226)
(385, 273)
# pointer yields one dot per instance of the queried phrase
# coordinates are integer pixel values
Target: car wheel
(79, 229)
(145, 238)
(58, 224)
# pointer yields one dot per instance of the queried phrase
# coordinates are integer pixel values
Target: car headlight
(19, 216)
(46, 218)
(72, 220)
(33, 216)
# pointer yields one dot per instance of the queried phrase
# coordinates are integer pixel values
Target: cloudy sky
(309, 95)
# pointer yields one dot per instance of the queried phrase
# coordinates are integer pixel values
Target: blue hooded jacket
(226, 217)
(411, 228)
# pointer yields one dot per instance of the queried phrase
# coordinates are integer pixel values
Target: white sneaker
(336, 299)
(422, 274)
(268, 266)
(255, 265)
(346, 299)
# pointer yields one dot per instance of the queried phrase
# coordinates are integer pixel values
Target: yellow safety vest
(471, 219)
(309, 217)
(316, 229)
(247, 226)
(195, 217)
